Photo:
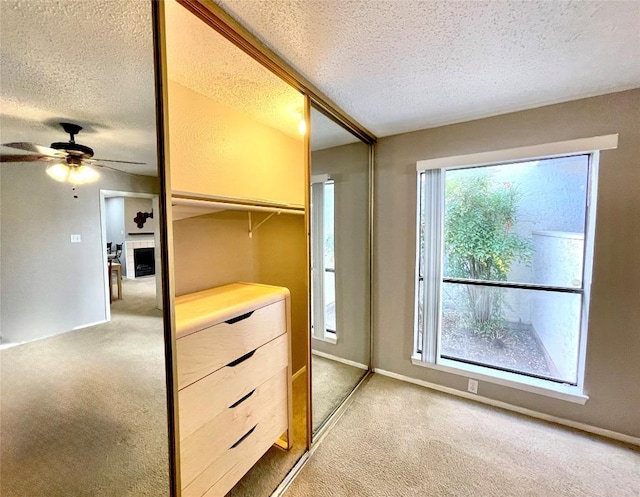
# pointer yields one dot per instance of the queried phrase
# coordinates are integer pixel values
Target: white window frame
(430, 354)
(318, 326)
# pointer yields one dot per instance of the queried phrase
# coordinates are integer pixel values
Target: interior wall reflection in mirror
(340, 264)
(238, 178)
(82, 374)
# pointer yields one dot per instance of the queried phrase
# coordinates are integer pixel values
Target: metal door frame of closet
(228, 27)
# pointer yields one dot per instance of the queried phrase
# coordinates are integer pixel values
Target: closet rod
(212, 204)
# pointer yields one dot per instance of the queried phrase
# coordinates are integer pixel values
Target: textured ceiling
(395, 65)
(400, 65)
(202, 60)
(84, 61)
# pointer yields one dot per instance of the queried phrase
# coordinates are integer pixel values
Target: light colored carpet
(332, 382)
(398, 439)
(84, 413)
(271, 469)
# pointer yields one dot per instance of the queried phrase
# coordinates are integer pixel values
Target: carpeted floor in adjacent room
(84, 413)
(398, 439)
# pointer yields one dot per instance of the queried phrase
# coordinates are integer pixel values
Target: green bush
(479, 244)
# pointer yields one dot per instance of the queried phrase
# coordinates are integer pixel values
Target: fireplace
(144, 261)
(129, 247)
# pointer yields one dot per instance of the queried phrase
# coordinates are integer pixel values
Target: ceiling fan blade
(113, 168)
(119, 161)
(25, 158)
(37, 149)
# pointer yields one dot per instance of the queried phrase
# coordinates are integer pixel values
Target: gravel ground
(519, 349)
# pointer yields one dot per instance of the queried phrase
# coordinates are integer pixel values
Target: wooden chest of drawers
(234, 380)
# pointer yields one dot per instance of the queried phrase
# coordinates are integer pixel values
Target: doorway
(130, 241)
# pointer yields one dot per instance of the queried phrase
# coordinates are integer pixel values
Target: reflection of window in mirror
(323, 314)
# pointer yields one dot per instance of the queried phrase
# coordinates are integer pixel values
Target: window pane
(528, 331)
(330, 300)
(420, 317)
(328, 220)
(520, 222)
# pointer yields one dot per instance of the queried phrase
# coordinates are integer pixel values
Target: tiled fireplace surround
(129, 246)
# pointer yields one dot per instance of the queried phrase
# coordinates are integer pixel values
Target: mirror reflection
(82, 371)
(340, 264)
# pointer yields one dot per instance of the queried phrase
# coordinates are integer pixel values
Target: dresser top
(199, 310)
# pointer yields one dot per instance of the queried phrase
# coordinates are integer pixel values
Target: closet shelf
(185, 206)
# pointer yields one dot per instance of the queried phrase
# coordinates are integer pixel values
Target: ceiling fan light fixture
(80, 175)
(77, 175)
(58, 171)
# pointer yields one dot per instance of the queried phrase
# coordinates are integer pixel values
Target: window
(503, 265)
(323, 312)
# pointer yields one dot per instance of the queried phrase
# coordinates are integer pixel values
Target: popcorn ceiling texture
(91, 62)
(206, 62)
(400, 65)
(393, 65)
(87, 61)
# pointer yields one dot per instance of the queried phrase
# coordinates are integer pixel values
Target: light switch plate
(76, 239)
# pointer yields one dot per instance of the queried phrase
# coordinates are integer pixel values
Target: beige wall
(48, 284)
(215, 249)
(216, 150)
(348, 166)
(612, 377)
(282, 261)
(212, 250)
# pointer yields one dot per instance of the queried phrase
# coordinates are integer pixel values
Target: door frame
(155, 199)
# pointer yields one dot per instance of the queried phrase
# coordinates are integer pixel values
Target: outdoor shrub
(480, 244)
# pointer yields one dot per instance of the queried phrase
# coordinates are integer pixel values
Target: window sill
(568, 393)
(330, 340)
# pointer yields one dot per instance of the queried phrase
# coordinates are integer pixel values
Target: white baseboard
(13, 344)
(300, 371)
(510, 407)
(95, 323)
(340, 359)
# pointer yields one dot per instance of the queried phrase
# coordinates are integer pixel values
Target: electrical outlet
(76, 239)
(473, 386)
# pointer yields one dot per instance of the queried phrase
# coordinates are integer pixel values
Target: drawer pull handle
(242, 439)
(238, 402)
(233, 364)
(242, 317)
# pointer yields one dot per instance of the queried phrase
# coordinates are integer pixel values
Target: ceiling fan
(71, 159)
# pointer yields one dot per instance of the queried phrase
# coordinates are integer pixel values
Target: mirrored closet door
(83, 401)
(340, 257)
(240, 262)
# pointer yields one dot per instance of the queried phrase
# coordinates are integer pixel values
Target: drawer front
(204, 400)
(206, 351)
(203, 447)
(220, 476)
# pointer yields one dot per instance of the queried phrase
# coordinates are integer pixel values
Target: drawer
(202, 401)
(203, 352)
(209, 442)
(220, 476)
